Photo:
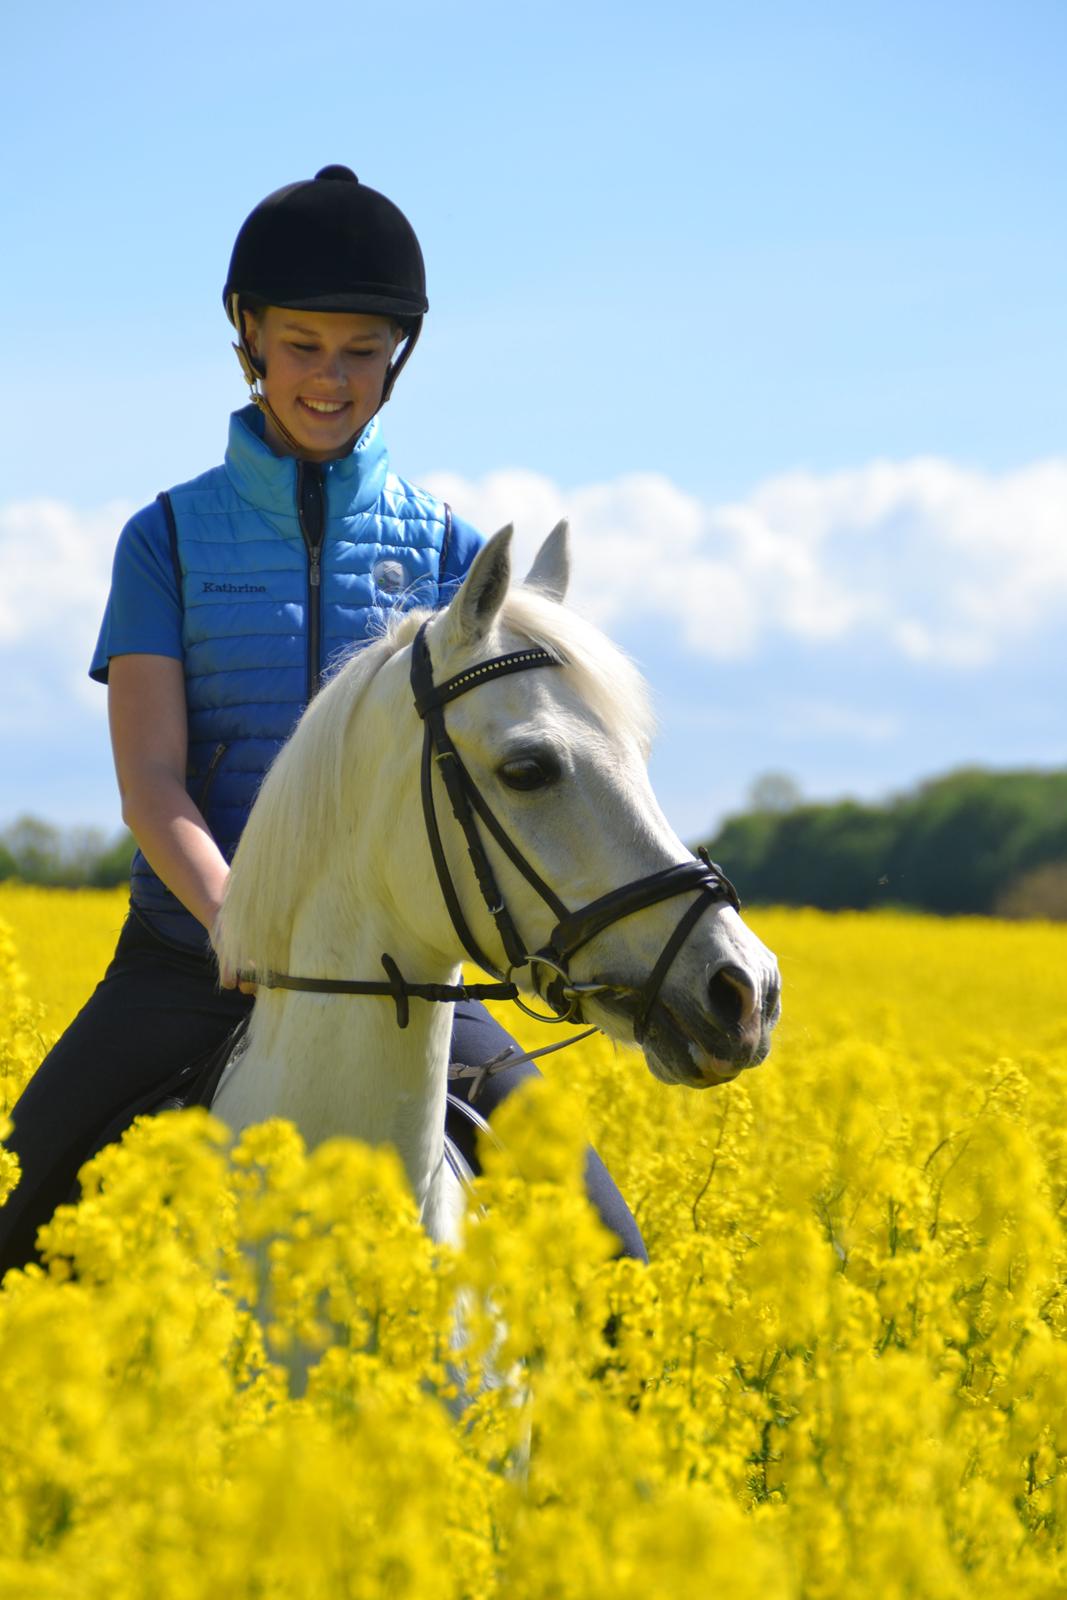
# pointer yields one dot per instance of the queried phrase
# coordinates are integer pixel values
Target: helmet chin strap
(396, 367)
(254, 372)
(259, 399)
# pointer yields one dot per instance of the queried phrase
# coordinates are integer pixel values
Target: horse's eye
(529, 772)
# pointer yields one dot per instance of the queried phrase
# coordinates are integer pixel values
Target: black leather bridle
(573, 929)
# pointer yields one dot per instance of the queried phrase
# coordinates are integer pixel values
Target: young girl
(231, 596)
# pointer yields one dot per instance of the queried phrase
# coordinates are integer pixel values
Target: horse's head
(554, 758)
(573, 862)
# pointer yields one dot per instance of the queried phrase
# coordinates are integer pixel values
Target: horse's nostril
(732, 995)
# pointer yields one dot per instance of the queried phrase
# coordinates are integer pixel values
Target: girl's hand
(228, 980)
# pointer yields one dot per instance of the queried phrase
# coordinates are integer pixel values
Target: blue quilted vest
(284, 565)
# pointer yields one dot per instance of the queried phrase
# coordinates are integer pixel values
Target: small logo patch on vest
(232, 588)
(389, 575)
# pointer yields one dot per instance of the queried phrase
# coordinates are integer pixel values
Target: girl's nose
(333, 369)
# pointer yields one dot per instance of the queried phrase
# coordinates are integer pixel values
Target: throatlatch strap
(458, 785)
(430, 699)
(437, 851)
(514, 855)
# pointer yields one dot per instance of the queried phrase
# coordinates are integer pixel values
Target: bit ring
(538, 1016)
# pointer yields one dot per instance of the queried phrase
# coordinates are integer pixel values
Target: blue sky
(769, 298)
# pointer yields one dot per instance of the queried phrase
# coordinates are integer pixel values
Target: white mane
(295, 822)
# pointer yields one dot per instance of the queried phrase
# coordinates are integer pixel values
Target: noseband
(573, 929)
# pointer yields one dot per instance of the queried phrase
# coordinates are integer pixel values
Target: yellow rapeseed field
(844, 1373)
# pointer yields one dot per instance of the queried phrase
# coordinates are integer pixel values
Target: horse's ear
(471, 614)
(551, 569)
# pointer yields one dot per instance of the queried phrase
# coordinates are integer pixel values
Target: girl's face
(325, 374)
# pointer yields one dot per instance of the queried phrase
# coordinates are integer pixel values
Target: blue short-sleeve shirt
(144, 610)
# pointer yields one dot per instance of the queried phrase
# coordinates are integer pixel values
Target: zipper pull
(314, 571)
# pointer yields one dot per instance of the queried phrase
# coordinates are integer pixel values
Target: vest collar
(268, 482)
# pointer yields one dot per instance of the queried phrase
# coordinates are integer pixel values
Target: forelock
(605, 678)
(603, 675)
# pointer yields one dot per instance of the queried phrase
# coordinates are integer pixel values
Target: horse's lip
(711, 1074)
(703, 1070)
(708, 1071)
(712, 1069)
(693, 1063)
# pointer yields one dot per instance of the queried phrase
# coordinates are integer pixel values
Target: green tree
(112, 867)
(38, 852)
(957, 844)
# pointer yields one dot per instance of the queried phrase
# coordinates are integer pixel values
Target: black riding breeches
(157, 1010)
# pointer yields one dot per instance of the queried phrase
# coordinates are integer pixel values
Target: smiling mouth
(323, 408)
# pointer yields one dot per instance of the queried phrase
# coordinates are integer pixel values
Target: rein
(397, 988)
(573, 929)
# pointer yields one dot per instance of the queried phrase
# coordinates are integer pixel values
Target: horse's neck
(339, 1064)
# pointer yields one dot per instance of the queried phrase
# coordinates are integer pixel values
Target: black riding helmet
(328, 243)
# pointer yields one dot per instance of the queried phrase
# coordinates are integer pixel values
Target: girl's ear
(465, 623)
(551, 569)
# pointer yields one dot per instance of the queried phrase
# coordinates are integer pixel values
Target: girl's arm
(149, 740)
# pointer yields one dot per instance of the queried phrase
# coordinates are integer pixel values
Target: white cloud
(55, 568)
(930, 561)
(55, 562)
(935, 561)
(939, 563)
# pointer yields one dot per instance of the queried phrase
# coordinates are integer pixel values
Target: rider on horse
(232, 595)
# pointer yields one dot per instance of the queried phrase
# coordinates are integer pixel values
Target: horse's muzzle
(706, 1041)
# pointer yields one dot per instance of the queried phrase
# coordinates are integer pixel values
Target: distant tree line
(64, 858)
(970, 842)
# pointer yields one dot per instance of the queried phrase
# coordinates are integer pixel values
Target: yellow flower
(246, 1371)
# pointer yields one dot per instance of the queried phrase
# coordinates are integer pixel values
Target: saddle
(197, 1085)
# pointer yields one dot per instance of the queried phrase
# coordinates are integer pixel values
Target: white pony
(334, 868)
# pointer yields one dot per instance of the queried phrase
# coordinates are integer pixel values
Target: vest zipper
(209, 777)
(311, 510)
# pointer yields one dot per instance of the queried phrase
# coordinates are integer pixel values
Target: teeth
(325, 406)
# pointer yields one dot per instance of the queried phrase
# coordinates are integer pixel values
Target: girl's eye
(529, 772)
(310, 349)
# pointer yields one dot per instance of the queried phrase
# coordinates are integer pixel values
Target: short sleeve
(462, 549)
(144, 608)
